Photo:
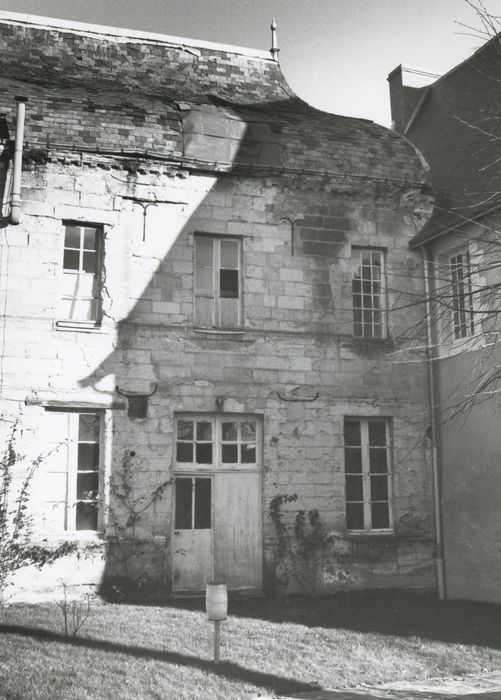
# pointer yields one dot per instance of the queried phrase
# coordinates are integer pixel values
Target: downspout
(439, 547)
(15, 206)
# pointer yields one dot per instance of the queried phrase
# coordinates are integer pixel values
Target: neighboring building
(192, 230)
(454, 122)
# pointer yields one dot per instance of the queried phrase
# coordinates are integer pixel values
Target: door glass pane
(87, 486)
(204, 453)
(202, 504)
(204, 431)
(248, 454)
(182, 520)
(230, 454)
(88, 456)
(185, 430)
(248, 429)
(230, 432)
(184, 452)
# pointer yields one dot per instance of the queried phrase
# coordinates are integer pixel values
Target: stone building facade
(192, 231)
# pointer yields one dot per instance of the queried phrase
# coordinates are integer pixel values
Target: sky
(335, 54)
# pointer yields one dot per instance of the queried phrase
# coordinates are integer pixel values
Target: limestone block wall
(295, 363)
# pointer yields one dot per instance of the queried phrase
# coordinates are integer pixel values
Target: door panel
(237, 530)
(191, 559)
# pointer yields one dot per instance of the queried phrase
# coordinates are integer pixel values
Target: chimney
(407, 90)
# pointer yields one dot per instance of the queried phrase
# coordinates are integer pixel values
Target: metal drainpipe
(15, 206)
(439, 548)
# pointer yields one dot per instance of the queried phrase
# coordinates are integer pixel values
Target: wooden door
(237, 530)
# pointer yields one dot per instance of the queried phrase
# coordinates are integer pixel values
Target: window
(367, 478)
(69, 479)
(461, 294)
(193, 503)
(80, 299)
(227, 441)
(368, 293)
(217, 282)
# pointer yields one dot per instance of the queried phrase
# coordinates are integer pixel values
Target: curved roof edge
(122, 34)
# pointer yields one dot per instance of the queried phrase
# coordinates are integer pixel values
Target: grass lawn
(285, 646)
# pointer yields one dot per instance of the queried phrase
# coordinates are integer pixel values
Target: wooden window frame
(217, 442)
(96, 298)
(367, 328)
(365, 473)
(216, 321)
(72, 471)
(462, 302)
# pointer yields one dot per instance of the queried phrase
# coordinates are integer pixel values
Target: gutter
(439, 547)
(15, 207)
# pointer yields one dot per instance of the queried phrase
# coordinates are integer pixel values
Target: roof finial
(274, 45)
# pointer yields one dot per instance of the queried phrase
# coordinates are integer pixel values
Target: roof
(458, 130)
(100, 88)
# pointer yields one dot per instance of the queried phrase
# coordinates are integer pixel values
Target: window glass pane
(229, 313)
(354, 488)
(357, 330)
(379, 488)
(378, 461)
(90, 239)
(353, 460)
(228, 284)
(72, 237)
(182, 520)
(355, 516)
(380, 515)
(377, 432)
(89, 262)
(71, 260)
(185, 430)
(203, 252)
(248, 430)
(248, 454)
(204, 431)
(202, 504)
(230, 431)
(88, 456)
(87, 486)
(184, 452)
(88, 427)
(230, 454)
(229, 254)
(204, 453)
(204, 311)
(352, 432)
(86, 516)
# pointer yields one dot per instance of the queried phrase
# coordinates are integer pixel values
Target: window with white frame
(218, 294)
(217, 441)
(368, 293)
(463, 322)
(69, 480)
(367, 473)
(81, 293)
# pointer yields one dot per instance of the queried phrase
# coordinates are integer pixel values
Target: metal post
(217, 640)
